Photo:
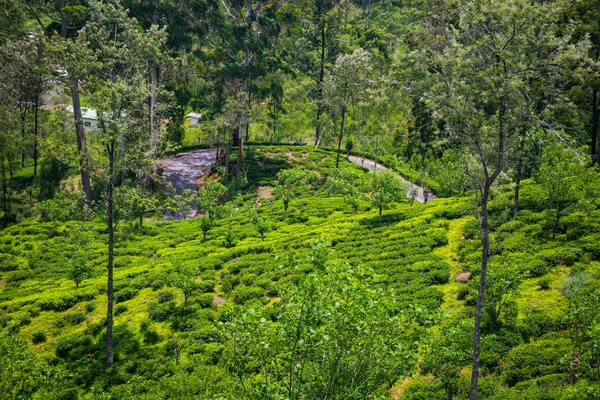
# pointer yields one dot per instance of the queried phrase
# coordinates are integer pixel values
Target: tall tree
(116, 72)
(346, 86)
(479, 76)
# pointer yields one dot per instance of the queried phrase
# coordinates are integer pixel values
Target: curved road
(183, 170)
(371, 166)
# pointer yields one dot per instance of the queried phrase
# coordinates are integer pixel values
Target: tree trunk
(320, 86)
(485, 241)
(35, 134)
(519, 173)
(337, 160)
(111, 229)
(23, 123)
(595, 123)
(485, 251)
(79, 131)
(380, 214)
(81, 146)
(240, 151)
(153, 100)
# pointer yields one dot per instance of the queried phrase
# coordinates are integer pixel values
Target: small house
(89, 117)
(194, 118)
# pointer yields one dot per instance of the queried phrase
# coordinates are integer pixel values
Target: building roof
(194, 115)
(86, 113)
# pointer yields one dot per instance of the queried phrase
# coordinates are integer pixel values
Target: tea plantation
(212, 318)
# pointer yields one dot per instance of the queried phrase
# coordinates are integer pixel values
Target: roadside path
(371, 166)
(183, 170)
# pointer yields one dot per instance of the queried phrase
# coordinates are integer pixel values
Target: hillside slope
(161, 342)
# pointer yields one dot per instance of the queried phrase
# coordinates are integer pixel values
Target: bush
(151, 336)
(70, 319)
(536, 359)
(242, 294)
(73, 346)
(535, 325)
(165, 296)
(544, 283)
(161, 312)
(125, 294)
(38, 336)
(205, 300)
(120, 309)
(90, 307)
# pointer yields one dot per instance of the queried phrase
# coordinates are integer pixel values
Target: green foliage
(385, 188)
(531, 360)
(333, 311)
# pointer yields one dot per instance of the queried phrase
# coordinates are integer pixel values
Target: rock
(462, 277)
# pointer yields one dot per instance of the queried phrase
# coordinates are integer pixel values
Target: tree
(115, 50)
(262, 227)
(185, 279)
(74, 59)
(478, 79)
(205, 225)
(179, 203)
(79, 271)
(565, 183)
(446, 356)
(384, 188)
(346, 85)
(345, 183)
(209, 196)
(289, 182)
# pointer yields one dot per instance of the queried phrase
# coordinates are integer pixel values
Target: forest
(300, 199)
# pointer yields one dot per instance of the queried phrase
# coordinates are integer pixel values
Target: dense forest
(300, 199)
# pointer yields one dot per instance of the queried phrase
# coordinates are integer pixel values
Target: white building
(89, 117)
(194, 118)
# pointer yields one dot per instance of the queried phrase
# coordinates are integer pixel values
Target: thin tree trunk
(485, 241)
(337, 160)
(320, 86)
(153, 100)
(240, 151)
(111, 228)
(595, 124)
(35, 134)
(79, 131)
(485, 251)
(81, 145)
(519, 173)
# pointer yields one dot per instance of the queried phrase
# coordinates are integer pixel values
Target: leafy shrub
(120, 309)
(38, 336)
(544, 283)
(125, 294)
(535, 325)
(532, 360)
(9, 262)
(73, 346)
(62, 303)
(205, 300)
(90, 307)
(151, 336)
(165, 296)
(161, 312)
(70, 319)
(242, 294)
(18, 275)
